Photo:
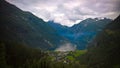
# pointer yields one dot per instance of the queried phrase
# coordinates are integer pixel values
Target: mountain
(82, 33)
(91, 25)
(24, 27)
(62, 30)
(86, 30)
(104, 50)
(58, 27)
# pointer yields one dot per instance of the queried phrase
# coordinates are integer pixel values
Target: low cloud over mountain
(69, 12)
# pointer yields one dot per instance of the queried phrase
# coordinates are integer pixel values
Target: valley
(27, 41)
(83, 33)
(67, 56)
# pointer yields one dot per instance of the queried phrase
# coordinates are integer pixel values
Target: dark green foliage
(2, 56)
(18, 55)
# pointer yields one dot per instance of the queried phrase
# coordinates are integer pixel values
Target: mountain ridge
(82, 33)
(17, 25)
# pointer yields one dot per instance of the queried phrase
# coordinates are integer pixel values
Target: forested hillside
(104, 51)
(24, 27)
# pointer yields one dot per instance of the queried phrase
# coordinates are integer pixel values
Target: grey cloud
(67, 12)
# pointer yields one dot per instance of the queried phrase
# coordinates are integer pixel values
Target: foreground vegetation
(15, 55)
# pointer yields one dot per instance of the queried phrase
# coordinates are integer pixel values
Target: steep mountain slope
(62, 30)
(87, 29)
(20, 26)
(104, 51)
(82, 33)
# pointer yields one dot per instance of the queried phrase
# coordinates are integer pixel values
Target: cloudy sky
(69, 12)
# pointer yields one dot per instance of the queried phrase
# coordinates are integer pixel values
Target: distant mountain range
(82, 33)
(24, 27)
